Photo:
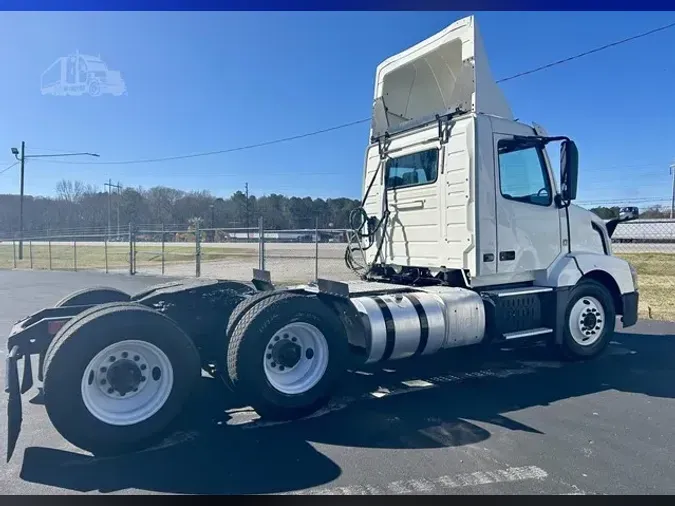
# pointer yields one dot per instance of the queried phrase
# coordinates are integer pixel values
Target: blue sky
(208, 81)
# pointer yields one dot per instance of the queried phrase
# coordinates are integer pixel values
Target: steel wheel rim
(587, 321)
(108, 381)
(312, 362)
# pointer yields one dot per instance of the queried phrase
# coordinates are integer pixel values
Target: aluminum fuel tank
(402, 325)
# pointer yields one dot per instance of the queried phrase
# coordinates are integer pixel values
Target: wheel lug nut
(136, 358)
(142, 378)
(125, 354)
(285, 336)
(143, 367)
(111, 390)
(273, 364)
(269, 356)
(112, 359)
(104, 369)
(276, 338)
(122, 394)
(281, 367)
(103, 382)
(294, 339)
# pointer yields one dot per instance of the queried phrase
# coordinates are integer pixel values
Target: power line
(586, 53)
(590, 171)
(230, 150)
(365, 120)
(6, 169)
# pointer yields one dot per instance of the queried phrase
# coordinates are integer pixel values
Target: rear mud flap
(14, 409)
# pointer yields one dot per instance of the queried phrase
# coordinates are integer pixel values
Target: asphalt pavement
(513, 422)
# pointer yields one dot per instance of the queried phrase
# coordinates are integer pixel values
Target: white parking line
(436, 485)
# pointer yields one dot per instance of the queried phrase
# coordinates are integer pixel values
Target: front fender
(569, 268)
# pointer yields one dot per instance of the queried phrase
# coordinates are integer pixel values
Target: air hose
(366, 228)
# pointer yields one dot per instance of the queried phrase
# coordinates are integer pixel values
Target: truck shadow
(458, 391)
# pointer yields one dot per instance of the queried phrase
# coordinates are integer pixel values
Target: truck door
(528, 223)
(415, 230)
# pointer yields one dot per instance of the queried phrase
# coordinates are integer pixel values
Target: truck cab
(463, 186)
(458, 192)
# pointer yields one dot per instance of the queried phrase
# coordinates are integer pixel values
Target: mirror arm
(546, 140)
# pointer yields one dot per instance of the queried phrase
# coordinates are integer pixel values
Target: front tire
(286, 355)
(117, 376)
(590, 319)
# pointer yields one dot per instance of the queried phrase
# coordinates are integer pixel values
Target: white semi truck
(464, 237)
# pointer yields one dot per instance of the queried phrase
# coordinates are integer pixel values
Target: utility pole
(119, 198)
(248, 232)
(21, 156)
(110, 187)
(23, 164)
(672, 201)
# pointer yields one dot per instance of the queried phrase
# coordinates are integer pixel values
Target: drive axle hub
(124, 376)
(286, 353)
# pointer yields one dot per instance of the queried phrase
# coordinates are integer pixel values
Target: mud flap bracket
(14, 408)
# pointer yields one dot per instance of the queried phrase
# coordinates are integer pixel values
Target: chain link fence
(649, 245)
(292, 256)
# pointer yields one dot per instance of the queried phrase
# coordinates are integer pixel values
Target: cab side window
(522, 174)
(412, 170)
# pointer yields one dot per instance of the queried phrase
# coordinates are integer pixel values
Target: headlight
(634, 275)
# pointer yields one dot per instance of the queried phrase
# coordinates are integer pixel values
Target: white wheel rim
(307, 344)
(127, 382)
(587, 321)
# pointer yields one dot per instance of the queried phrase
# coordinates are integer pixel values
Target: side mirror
(569, 170)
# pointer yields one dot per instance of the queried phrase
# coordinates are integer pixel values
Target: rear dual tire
(116, 376)
(286, 355)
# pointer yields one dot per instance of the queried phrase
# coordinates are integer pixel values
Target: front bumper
(629, 302)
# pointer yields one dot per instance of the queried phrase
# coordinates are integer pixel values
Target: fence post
(30, 252)
(105, 252)
(14, 252)
(163, 238)
(131, 250)
(198, 252)
(49, 248)
(75, 255)
(261, 244)
(316, 248)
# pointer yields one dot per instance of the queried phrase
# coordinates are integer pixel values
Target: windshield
(95, 66)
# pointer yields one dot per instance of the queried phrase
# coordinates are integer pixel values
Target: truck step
(527, 333)
(520, 291)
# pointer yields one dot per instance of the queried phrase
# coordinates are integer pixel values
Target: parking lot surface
(513, 422)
